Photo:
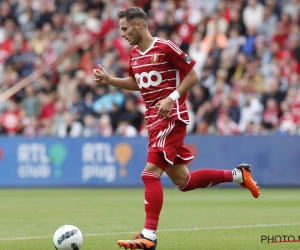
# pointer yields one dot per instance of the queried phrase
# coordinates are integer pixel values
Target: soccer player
(164, 74)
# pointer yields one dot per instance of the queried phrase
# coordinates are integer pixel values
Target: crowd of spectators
(247, 54)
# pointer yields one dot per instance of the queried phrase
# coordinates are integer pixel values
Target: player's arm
(185, 65)
(166, 105)
(187, 83)
(101, 76)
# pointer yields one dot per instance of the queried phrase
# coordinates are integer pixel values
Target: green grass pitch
(213, 218)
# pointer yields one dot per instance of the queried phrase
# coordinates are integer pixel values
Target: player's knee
(143, 177)
(147, 175)
(182, 187)
(184, 184)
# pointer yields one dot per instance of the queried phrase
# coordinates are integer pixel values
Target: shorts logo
(147, 79)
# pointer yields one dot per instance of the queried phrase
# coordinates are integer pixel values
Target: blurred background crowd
(247, 54)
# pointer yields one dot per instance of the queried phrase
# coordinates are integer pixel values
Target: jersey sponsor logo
(187, 59)
(147, 79)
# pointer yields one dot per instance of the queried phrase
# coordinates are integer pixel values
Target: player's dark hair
(132, 13)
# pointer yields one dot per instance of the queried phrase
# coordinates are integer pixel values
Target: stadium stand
(247, 55)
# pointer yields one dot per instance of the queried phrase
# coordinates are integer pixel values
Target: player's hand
(100, 75)
(165, 107)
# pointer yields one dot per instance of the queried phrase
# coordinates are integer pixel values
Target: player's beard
(136, 38)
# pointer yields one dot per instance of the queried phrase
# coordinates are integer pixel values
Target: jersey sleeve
(175, 56)
(130, 71)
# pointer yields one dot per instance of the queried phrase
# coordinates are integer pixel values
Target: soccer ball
(68, 237)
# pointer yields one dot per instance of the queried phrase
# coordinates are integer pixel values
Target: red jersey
(158, 72)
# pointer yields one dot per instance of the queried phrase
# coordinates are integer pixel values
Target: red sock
(153, 199)
(204, 178)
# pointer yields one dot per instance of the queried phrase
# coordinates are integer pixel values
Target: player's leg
(203, 178)
(153, 198)
(153, 201)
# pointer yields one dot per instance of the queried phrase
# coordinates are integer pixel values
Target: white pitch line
(166, 230)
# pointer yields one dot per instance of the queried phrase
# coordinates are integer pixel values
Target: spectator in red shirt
(48, 106)
(185, 31)
(11, 119)
(226, 126)
(288, 121)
